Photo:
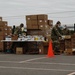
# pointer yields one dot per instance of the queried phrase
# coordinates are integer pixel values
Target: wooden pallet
(68, 52)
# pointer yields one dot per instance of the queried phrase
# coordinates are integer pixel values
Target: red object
(50, 50)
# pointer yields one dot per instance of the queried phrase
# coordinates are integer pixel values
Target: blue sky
(14, 11)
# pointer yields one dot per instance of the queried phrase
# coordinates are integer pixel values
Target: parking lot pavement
(12, 64)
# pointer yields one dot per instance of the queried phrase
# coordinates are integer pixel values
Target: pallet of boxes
(68, 45)
(39, 25)
(73, 43)
(62, 46)
(4, 31)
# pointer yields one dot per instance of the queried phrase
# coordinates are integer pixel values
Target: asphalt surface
(13, 64)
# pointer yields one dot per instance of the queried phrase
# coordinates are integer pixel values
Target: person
(56, 35)
(19, 29)
(56, 32)
(13, 29)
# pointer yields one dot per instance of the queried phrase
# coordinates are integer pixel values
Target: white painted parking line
(31, 59)
(9, 61)
(39, 69)
(47, 63)
(73, 73)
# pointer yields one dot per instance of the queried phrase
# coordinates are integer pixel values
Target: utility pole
(74, 27)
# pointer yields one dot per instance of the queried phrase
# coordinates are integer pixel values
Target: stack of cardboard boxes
(42, 21)
(68, 45)
(39, 25)
(73, 43)
(50, 23)
(4, 31)
(62, 46)
(31, 22)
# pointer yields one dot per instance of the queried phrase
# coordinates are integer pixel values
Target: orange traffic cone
(50, 50)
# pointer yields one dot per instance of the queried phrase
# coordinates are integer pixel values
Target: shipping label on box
(28, 17)
(42, 27)
(42, 22)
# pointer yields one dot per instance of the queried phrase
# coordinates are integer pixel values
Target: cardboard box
(35, 27)
(1, 46)
(28, 17)
(42, 22)
(73, 45)
(33, 17)
(14, 37)
(32, 32)
(32, 45)
(68, 52)
(1, 30)
(28, 22)
(5, 29)
(68, 44)
(73, 36)
(19, 50)
(41, 33)
(9, 32)
(66, 37)
(1, 49)
(45, 43)
(32, 26)
(47, 27)
(43, 49)
(3, 23)
(5, 34)
(42, 27)
(50, 22)
(34, 22)
(29, 27)
(9, 28)
(35, 32)
(42, 17)
(73, 40)
(1, 37)
(0, 18)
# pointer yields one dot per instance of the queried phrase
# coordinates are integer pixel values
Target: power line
(16, 16)
(63, 17)
(61, 12)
